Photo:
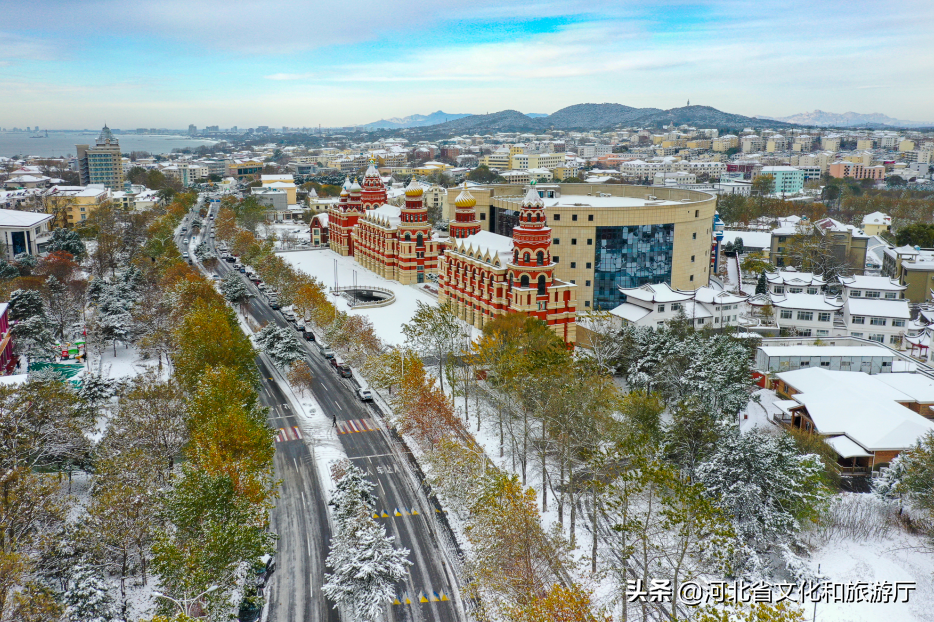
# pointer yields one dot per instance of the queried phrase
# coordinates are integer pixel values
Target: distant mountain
(416, 120)
(821, 118)
(601, 116)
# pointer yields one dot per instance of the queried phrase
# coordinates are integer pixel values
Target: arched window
(515, 256)
(540, 258)
(419, 241)
(526, 258)
(524, 281)
(408, 237)
(541, 285)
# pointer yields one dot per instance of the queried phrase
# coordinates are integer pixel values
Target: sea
(63, 143)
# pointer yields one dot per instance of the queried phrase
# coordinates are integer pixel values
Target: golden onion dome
(414, 189)
(355, 188)
(465, 199)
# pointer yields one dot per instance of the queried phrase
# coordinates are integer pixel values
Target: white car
(185, 255)
(365, 395)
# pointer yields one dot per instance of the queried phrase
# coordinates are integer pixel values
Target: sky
(70, 64)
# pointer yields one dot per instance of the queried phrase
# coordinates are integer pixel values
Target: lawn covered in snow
(388, 320)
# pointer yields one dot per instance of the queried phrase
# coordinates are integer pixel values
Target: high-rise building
(102, 163)
(192, 129)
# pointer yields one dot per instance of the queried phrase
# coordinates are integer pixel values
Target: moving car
(185, 255)
(365, 395)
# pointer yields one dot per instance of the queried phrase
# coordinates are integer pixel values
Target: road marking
(397, 513)
(291, 433)
(372, 456)
(338, 405)
(354, 425)
(424, 596)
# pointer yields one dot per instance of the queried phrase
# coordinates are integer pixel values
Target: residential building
(608, 236)
(319, 230)
(485, 274)
(654, 305)
(847, 243)
(807, 315)
(24, 232)
(284, 183)
(788, 179)
(830, 143)
(73, 204)
(876, 222)
(856, 171)
(244, 169)
(102, 163)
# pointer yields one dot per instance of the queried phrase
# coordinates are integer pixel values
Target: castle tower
(531, 264)
(418, 252)
(465, 215)
(373, 192)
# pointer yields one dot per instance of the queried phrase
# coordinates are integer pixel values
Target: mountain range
(821, 118)
(598, 117)
(415, 120)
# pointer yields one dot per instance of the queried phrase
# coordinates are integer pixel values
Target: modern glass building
(629, 257)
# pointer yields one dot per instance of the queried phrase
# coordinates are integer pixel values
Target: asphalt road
(429, 593)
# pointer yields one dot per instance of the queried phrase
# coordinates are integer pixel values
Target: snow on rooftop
(656, 292)
(875, 307)
(751, 239)
(860, 281)
(812, 302)
(15, 219)
(827, 351)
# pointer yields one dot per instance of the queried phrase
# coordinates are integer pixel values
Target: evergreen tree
(233, 288)
(365, 565)
(203, 252)
(68, 241)
(87, 598)
(281, 344)
(25, 303)
(768, 489)
(8, 271)
(762, 286)
(26, 263)
(34, 337)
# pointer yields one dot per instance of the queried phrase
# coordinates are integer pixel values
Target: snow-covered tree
(26, 263)
(62, 304)
(87, 598)
(113, 315)
(25, 303)
(203, 252)
(69, 241)
(768, 489)
(8, 271)
(281, 344)
(762, 286)
(233, 288)
(95, 390)
(365, 566)
(34, 337)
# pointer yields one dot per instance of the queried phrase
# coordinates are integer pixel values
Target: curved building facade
(608, 236)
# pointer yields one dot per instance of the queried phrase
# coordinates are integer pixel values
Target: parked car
(309, 336)
(365, 395)
(345, 371)
(185, 255)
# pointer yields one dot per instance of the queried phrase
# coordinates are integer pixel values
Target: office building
(102, 163)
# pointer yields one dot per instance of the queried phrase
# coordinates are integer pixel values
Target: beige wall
(692, 232)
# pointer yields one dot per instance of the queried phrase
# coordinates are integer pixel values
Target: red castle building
(483, 274)
(397, 242)
(353, 203)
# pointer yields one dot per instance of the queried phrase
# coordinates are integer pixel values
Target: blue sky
(70, 64)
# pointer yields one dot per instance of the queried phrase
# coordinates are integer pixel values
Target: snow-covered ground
(388, 320)
(892, 559)
(297, 232)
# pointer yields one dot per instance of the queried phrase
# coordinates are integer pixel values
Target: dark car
(274, 305)
(309, 336)
(345, 371)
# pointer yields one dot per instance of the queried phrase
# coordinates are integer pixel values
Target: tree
(433, 331)
(26, 303)
(560, 604)
(233, 288)
(213, 530)
(87, 598)
(209, 336)
(281, 344)
(642, 412)
(68, 241)
(63, 305)
(114, 318)
(34, 337)
(762, 286)
(482, 175)
(204, 253)
(895, 181)
(768, 489)
(365, 566)
(916, 234)
(603, 337)
(8, 271)
(25, 263)
(763, 185)
(300, 377)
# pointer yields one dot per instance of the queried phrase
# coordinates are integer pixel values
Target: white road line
(338, 405)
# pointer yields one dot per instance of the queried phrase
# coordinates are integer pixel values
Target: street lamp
(185, 605)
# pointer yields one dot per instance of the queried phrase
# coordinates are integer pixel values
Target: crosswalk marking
(289, 434)
(354, 425)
